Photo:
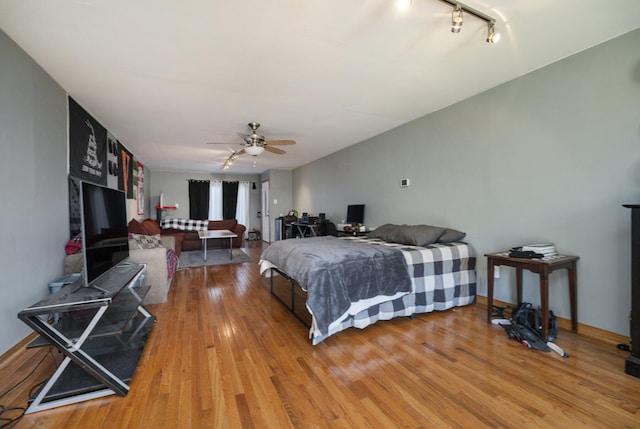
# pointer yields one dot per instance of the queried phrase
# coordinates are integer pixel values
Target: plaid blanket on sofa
(185, 224)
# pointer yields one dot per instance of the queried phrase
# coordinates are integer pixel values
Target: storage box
(55, 285)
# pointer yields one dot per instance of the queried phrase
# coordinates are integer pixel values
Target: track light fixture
(229, 162)
(456, 19)
(492, 36)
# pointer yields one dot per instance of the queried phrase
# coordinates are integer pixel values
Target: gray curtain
(199, 199)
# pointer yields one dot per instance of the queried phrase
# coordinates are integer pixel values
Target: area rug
(193, 258)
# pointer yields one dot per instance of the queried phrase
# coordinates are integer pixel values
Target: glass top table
(219, 234)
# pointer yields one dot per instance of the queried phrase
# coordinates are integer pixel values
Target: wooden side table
(543, 267)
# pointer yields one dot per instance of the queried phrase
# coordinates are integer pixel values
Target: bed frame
(290, 294)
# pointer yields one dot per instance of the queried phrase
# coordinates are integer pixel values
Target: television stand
(101, 334)
(92, 286)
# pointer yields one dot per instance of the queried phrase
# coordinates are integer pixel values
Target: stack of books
(544, 249)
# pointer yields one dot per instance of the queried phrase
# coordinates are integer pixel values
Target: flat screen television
(355, 213)
(104, 230)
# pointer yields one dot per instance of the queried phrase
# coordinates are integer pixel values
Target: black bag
(526, 325)
(328, 228)
(532, 317)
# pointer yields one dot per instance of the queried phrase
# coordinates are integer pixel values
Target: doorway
(266, 219)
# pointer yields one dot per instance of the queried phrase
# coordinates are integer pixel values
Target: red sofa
(189, 240)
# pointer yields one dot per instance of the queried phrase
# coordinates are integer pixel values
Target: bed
(356, 281)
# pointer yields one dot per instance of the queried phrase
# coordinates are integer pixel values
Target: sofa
(189, 240)
(161, 260)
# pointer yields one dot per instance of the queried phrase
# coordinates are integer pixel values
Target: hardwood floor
(225, 354)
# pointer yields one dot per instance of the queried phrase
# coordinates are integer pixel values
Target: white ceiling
(167, 76)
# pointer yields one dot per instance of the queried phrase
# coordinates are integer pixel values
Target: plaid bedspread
(443, 276)
(185, 224)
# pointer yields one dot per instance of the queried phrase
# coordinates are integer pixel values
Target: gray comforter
(340, 276)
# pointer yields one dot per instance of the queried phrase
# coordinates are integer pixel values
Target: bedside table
(543, 267)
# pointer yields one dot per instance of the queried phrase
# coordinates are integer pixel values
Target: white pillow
(147, 241)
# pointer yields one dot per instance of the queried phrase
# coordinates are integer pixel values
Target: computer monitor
(355, 213)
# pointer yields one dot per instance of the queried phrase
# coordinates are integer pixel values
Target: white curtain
(215, 200)
(242, 207)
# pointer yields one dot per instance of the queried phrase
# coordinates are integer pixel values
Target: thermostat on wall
(404, 183)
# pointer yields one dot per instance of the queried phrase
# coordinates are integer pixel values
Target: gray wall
(34, 221)
(175, 187)
(549, 157)
(280, 190)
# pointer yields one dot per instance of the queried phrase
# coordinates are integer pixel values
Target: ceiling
(165, 77)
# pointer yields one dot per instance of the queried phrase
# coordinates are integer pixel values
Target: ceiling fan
(254, 143)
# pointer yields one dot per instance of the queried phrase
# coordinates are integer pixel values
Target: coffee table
(217, 233)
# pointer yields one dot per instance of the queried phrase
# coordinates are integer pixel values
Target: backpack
(526, 325)
(532, 317)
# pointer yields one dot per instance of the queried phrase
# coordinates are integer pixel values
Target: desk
(543, 267)
(353, 233)
(304, 227)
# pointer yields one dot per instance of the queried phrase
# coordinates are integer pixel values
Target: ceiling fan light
(254, 150)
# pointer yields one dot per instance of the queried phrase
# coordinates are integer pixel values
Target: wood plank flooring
(225, 354)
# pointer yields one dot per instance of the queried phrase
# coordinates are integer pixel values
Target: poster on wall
(87, 146)
(112, 161)
(125, 178)
(140, 188)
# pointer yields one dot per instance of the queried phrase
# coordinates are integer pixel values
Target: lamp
(492, 36)
(456, 19)
(254, 150)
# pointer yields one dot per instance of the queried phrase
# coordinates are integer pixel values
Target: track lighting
(457, 17)
(456, 20)
(235, 154)
(492, 36)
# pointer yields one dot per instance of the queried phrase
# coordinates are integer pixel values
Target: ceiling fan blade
(274, 150)
(280, 142)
